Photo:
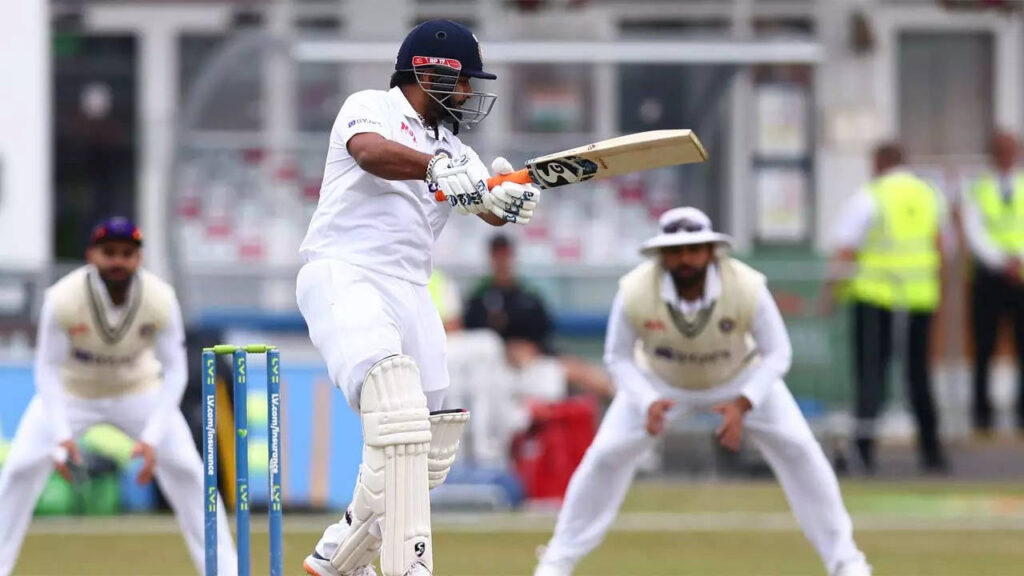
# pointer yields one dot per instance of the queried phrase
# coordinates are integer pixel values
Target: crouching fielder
(111, 349)
(363, 290)
(694, 331)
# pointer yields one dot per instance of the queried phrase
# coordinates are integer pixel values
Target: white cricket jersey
(386, 226)
(766, 327)
(89, 348)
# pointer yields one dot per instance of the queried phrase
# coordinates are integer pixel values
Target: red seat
(550, 450)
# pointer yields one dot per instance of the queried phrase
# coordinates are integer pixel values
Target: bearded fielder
(363, 290)
(694, 331)
(111, 349)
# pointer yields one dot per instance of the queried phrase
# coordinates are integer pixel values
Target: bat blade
(607, 158)
(616, 156)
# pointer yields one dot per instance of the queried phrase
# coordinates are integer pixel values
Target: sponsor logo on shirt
(408, 132)
(680, 357)
(367, 121)
(726, 325)
(78, 330)
(654, 325)
(100, 359)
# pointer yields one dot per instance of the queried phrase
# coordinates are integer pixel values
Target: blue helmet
(446, 40)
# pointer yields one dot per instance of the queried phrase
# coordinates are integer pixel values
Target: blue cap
(116, 228)
(446, 40)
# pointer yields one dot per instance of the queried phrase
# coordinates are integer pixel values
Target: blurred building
(208, 121)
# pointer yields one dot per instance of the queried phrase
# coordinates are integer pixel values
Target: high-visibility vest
(898, 264)
(437, 286)
(1004, 221)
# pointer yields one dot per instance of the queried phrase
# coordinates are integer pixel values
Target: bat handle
(519, 177)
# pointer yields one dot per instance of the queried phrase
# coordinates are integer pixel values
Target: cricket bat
(607, 158)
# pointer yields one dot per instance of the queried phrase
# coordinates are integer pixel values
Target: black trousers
(994, 297)
(873, 348)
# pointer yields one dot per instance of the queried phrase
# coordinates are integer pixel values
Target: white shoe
(547, 569)
(854, 569)
(418, 569)
(317, 565)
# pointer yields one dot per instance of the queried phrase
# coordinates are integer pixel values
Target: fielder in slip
(694, 330)
(111, 349)
(363, 290)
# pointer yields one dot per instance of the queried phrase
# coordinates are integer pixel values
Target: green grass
(907, 529)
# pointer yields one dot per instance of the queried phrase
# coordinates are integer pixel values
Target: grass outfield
(927, 529)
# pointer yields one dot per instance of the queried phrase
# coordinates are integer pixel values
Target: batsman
(363, 288)
(693, 330)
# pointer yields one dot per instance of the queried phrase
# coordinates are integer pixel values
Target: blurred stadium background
(208, 121)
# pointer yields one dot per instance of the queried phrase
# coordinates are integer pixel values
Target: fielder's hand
(463, 180)
(148, 455)
(730, 432)
(656, 416)
(67, 456)
(510, 201)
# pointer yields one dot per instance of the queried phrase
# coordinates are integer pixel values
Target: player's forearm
(389, 160)
(772, 340)
(619, 345)
(52, 348)
(170, 351)
(48, 384)
(627, 378)
(175, 380)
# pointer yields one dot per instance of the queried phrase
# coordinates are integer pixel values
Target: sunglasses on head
(683, 224)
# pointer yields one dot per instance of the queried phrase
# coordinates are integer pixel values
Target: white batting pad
(445, 431)
(396, 429)
(361, 545)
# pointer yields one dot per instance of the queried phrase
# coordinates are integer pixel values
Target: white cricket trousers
(777, 428)
(179, 472)
(357, 318)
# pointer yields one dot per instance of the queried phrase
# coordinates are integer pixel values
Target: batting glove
(510, 201)
(463, 180)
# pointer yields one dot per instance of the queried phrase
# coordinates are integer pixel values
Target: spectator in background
(518, 314)
(502, 303)
(890, 234)
(993, 215)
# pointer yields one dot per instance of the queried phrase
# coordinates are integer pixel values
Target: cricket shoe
(549, 569)
(854, 569)
(317, 565)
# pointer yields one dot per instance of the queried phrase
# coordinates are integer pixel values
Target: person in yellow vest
(110, 349)
(993, 216)
(445, 295)
(694, 330)
(889, 253)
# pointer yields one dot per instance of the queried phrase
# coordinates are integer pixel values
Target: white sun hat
(681, 227)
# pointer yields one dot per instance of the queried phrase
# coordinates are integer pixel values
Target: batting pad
(445, 431)
(361, 545)
(396, 429)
